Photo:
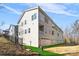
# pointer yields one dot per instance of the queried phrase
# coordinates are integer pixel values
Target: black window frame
(25, 31)
(52, 32)
(41, 28)
(25, 22)
(28, 30)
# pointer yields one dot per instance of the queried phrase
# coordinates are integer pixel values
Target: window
(41, 28)
(25, 31)
(25, 21)
(29, 30)
(52, 32)
(54, 27)
(34, 16)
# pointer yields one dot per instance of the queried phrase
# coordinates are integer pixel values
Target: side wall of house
(12, 33)
(32, 37)
(46, 36)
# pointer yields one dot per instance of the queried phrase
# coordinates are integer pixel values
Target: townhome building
(1, 32)
(36, 28)
(13, 33)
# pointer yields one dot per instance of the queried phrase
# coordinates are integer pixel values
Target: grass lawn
(53, 45)
(42, 52)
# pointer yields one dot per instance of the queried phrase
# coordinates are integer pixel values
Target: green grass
(42, 52)
(52, 45)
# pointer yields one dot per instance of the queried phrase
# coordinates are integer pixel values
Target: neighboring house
(36, 28)
(13, 33)
(1, 32)
(6, 32)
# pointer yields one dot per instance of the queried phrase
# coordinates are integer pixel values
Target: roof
(27, 11)
(5, 30)
(11, 26)
(42, 12)
(49, 18)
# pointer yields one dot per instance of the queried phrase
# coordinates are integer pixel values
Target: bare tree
(71, 34)
(67, 35)
(75, 31)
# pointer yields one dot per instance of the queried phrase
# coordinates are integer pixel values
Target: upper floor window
(25, 31)
(34, 16)
(25, 21)
(54, 27)
(29, 30)
(52, 32)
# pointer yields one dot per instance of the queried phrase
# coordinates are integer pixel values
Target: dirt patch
(8, 48)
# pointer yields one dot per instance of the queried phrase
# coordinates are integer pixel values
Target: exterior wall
(16, 33)
(32, 37)
(47, 34)
(13, 33)
(37, 38)
(1, 32)
(45, 42)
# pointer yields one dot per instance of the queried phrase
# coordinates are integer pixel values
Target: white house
(36, 28)
(1, 32)
(6, 32)
(13, 33)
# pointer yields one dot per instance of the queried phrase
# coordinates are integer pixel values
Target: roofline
(10, 26)
(49, 18)
(42, 12)
(27, 11)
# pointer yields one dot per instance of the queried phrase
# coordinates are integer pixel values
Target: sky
(63, 14)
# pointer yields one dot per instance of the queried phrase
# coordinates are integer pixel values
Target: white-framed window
(28, 30)
(25, 22)
(34, 16)
(25, 31)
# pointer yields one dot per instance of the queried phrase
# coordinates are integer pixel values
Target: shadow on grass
(42, 52)
(49, 46)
